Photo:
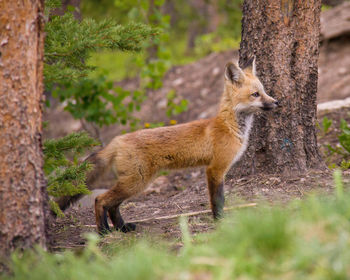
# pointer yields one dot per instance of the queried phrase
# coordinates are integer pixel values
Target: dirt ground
(185, 194)
(185, 191)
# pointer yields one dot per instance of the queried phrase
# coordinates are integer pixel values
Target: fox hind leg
(117, 220)
(133, 177)
(110, 201)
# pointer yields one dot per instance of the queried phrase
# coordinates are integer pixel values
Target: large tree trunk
(22, 184)
(284, 36)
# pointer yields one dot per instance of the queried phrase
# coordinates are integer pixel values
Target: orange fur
(137, 157)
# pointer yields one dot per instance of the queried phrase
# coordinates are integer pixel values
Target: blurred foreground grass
(308, 239)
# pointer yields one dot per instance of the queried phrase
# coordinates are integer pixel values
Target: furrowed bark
(22, 184)
(284, 37)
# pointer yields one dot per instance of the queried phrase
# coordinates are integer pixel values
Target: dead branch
(195, 213)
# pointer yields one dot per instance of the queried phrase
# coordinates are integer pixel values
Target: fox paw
(104, 231)
(128, 227)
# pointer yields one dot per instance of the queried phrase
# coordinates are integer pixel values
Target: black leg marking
(127, 227)
(218, 202)
(217, 198)
(118, 221)
(115, 216)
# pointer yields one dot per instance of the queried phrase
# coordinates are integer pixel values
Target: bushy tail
(99, 168)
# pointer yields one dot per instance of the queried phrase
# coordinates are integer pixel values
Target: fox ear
(233, 73)
(250, 65)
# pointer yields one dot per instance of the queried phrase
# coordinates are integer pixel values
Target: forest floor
(156, 211)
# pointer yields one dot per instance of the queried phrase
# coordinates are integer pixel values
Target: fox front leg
(216, 192)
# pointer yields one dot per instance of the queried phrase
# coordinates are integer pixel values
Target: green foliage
(176, 19)
(99, 101)
(325, 7)
(51, 5)
(154, 125)
(308, 239)
(345, 164)
(326, 124)
(65, 174)
(157, 63)
(115, 65)
(69, 43)
(342, 149)
(209, 43)
(136, 263)
(344, 137)
(175, 105)
(338, 182)
(186, 236)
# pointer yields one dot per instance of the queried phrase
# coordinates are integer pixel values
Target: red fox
(217, 143)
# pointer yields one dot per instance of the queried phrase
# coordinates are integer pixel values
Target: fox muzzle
(269, 106)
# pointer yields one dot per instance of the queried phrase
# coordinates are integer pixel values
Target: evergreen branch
(55, 208)
(69, 43)
(69, 181)
(65, 176)
(74, 141)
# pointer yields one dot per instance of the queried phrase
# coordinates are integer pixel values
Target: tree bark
(284, 37)
(22, 184)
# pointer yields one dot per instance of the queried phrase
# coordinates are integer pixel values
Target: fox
(216, 143)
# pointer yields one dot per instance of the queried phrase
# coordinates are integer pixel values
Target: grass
(308, 239)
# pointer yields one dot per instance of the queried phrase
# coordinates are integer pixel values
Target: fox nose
(276, 103)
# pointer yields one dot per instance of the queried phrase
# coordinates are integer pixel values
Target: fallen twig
(67, 247)
(186, 214)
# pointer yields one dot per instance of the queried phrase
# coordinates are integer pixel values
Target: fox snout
(267, 106)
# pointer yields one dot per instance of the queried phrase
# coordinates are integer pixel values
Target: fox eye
(256, 94)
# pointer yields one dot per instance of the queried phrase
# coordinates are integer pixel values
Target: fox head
(244, 89)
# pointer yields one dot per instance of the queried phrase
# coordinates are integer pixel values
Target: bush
(341, 149)
(65, 174)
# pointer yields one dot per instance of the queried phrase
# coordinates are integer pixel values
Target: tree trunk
(22, 185)
(284, 37)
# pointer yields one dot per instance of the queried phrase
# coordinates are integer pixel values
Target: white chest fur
(248, 123)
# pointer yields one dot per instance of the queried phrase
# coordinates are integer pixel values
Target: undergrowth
(307, 239)
(337, 155)
(65, 174)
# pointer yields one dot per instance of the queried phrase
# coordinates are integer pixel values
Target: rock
(335, 22)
